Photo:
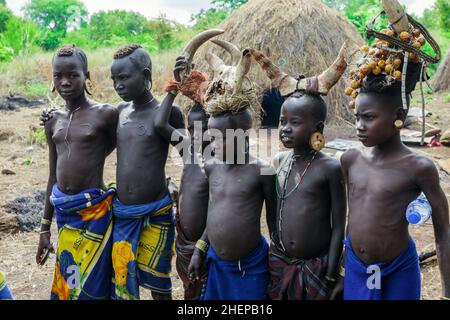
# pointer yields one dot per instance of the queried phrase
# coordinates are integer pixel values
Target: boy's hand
(195, 266)
(44, 248)
(181, 65)
(46, 115)
(338, 290)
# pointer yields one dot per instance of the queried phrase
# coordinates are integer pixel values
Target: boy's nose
(360, 126)
(66, 82)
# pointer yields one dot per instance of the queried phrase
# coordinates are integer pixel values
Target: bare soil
(29, 163)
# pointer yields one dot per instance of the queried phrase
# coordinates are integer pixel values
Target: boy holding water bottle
(381, 261)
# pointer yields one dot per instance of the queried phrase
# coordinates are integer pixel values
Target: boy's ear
(88, 75)
(147, 74)
(320, 126)
(401, 114)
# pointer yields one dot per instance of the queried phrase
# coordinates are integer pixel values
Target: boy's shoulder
(123, 105)
(279, 158)
(329, 163)
(108, 111)
(349, 157)
(419, 164)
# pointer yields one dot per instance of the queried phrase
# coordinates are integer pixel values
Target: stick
(426, 255)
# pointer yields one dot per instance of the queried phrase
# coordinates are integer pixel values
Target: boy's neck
(303, 151)
(144, 99)
(77, 103)
(389, 147)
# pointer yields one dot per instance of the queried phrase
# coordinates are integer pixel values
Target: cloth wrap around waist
(83, 259)
(143, 248)
(397, 280)
(5, 293)
(185, 249)
(245, 279)
(297, 279)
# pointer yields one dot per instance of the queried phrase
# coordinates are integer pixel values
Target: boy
(144, 228)
(378, 244)
(80, 137)
(306, 248)
(310, 219)
(190, 220)
(237, 256)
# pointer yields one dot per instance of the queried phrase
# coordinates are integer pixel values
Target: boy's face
(374, 120)
(297, 123)
(68, 77)
(195, 118)
(129, 81)
(219, 144)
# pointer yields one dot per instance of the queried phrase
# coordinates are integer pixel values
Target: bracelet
(46, 222)
(202, 246)
(342, 272)
(174, 92)
(330, 279)
(44, 232)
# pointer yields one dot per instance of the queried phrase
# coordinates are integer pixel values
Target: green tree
(221, 9)
(118, 23)
(5, 15)
(163, 31)
(443, 8)
(228, 4)
(56, 17)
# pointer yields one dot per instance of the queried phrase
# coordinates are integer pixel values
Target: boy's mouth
(362, 137)
(286, 139)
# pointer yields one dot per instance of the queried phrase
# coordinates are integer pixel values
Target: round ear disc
(317, 141)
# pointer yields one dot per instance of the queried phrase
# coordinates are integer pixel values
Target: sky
(179, 10)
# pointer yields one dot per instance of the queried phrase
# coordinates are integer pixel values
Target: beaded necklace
(284, 196)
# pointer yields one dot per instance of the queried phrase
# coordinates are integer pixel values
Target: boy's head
(379, 105)
(131, 72)
(236, 123)
(196, 116)
(70, 72)
(301, 116)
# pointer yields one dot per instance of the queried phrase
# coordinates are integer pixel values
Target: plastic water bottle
(418, 211)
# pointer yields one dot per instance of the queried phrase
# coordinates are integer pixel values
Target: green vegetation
(27, 44)
(37, 136)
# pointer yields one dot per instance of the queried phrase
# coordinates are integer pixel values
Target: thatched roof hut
(301, 36)
(442, 77)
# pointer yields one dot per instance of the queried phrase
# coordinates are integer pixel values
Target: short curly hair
(72, 50)
(137, 55)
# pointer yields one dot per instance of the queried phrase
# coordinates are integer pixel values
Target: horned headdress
(287, 84)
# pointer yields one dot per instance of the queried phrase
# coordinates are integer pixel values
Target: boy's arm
(112, 116)
(337, 189)
(44, 239)
(428, 181)
(270, 197)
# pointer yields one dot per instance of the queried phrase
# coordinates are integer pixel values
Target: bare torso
(194, 193)
(82, 146)
(235, 204)
(306, 215)
(141, 155)
(379, 193)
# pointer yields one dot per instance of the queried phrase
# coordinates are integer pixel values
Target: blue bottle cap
(413, 218)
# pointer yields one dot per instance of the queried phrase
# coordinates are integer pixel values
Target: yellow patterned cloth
(5, 293)
(83, 262)
(143, 248)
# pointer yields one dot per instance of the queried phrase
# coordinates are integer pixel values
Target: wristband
(202, 246)
(46, 222)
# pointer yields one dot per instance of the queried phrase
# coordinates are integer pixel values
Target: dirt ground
(29, 163)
